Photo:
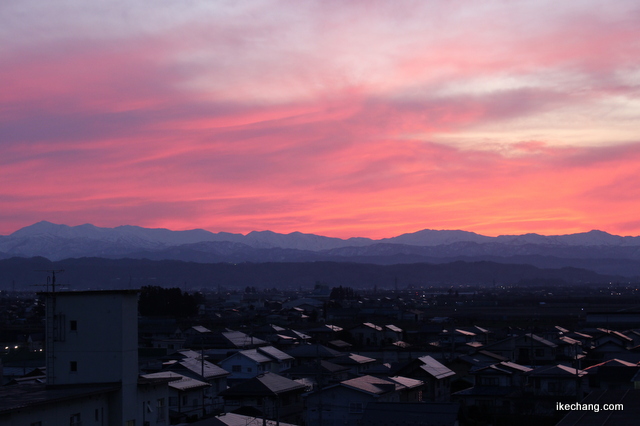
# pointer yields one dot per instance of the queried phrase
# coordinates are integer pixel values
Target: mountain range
(596, 251)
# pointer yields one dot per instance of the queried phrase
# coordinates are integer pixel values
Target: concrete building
(92, 367)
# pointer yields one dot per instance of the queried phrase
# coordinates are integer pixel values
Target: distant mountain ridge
(299, 240)
(601, 251)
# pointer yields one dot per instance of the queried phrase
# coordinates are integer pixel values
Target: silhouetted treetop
(159, 301)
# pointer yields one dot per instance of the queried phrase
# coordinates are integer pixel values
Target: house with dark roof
(357, 364)
(325, 333)
(569, 349)
(319, 374)
(612, 374)
(498, 389)
(304, 354)
(435, 376)
(205, 371)
(229, 339)
(280, 336)
(392, 333)
(344, 403)
(558, 381)
(368, 334)
(186, 396)
(251, 362)
(268, 395)
(527, 349)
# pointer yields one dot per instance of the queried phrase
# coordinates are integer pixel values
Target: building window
(160, 409)
(489, 381)
(74, 420)
(236, 368)
(554, 387)
(355, 407)
(73, 325)
(36, 424)
(73, 366)
(130, 423)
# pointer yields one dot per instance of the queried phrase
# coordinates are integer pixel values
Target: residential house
(319, 374)
(280, 336)
(305, 354)
(205, 371)
(187, 399)
(392, 334)
(498, 389)
(252, 362)
(526, 349)
(612, 374)
(558, 381)
(269, 395)
(344, 403)
(435, 376)
(358, 364)
(368, 334)
(325, 333)
(229, 340)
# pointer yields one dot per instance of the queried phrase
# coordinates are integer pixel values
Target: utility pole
(53, 329)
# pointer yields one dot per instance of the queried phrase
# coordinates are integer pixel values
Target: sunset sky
(340, 118)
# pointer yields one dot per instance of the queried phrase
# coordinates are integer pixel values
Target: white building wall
(153, 405)
(242, 367)
(92, 337)
(98, 332)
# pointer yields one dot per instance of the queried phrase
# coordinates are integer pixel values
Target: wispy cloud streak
(365, 119)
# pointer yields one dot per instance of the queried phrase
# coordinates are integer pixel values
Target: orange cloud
(345, 124)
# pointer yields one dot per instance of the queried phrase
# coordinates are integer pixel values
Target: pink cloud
(330, 128)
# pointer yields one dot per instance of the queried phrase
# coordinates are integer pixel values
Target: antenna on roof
(51, 280)
(52, 323)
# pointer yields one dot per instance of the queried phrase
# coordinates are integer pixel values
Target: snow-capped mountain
(57, 242)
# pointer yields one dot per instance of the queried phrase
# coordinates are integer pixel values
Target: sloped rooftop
(197, 366)
(241, 340)
(275, 354)
(435, 368)
(267, 384)
(353, 359)
(378, 385)
(178, 381)
(254, 355)
(313, 351)
(557, 371)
